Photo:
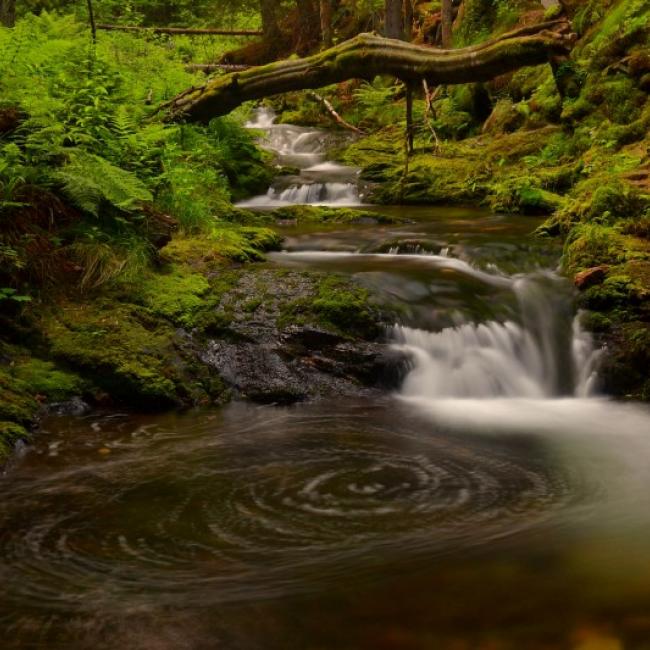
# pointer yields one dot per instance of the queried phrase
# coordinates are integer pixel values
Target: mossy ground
(26, 383)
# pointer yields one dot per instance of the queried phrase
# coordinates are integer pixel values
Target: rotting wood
(367, 55)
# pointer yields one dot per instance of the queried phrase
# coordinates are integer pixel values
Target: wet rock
(255, 372)
(590, 277)
(75, 406)
(280, 349)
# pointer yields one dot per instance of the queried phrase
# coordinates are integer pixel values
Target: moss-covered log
(368, 55)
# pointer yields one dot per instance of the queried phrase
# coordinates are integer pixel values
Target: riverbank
(117, 271)
(199, 329)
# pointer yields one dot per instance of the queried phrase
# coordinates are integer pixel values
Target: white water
(319, 182)
(540, 355)
(537, 367)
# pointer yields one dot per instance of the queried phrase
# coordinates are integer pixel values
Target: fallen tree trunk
(366, 56)
(180, 30)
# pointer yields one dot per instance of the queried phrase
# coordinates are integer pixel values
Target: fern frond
(89, 180)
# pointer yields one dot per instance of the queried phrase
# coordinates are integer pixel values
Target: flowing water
(495, 501)
(314, 180)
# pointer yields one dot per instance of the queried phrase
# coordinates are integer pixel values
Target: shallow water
(392, 524)
(495, 502)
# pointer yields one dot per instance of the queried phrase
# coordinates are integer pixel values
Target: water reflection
(401, 523)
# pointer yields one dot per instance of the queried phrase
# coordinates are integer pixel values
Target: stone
(590, 277)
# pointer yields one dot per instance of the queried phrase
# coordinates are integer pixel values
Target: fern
(90, 181)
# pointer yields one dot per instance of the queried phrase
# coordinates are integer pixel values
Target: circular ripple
(257, 500)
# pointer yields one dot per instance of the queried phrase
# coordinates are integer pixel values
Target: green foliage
(90, 182)
(377, 104)
(88, 136)
(7, 293)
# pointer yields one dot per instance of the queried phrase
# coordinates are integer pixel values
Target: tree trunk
(270, 27)
(326, 22)
(447, 23)
(393, 27)
(366, 56)
(8, 13)
(408, 20)
(308, 25)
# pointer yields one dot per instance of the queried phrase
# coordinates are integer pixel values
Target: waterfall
(318, 182)
(543, 353)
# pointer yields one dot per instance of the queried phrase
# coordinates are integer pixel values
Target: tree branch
(179, 30)
(368, 55)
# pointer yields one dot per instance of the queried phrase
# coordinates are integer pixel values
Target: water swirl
(254, 508)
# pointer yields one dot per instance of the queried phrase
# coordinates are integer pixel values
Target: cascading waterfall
(544, 354)
(540, 352)
(318, 182)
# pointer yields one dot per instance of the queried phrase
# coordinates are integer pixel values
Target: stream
(495, 501)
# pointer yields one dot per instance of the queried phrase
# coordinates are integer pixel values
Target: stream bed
(496, 500)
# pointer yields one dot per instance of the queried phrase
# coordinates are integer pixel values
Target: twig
(409, 119)
(429, 98)
(333, 114)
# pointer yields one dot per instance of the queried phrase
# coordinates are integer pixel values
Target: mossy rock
(10, 434)
(308, 214)
(122, 348)
(217, 248)
(521, 195)
(338, 305)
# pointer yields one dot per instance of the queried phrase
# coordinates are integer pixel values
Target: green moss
(17, 403)
(521, 195)
(26, 382)
(10, 434)
(337, 305)
(308, 214)
(592, 245)
(43, 378)
(177, 295)
(221, 245)
(505, 118)
(553, 12)
(120, 347)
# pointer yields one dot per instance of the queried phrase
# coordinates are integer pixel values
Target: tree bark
(447, 23)
(270, 27)
(326, 22)
(8, 13)
(308, 25)
(393, 26)
(367, 55)
(408, 20)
